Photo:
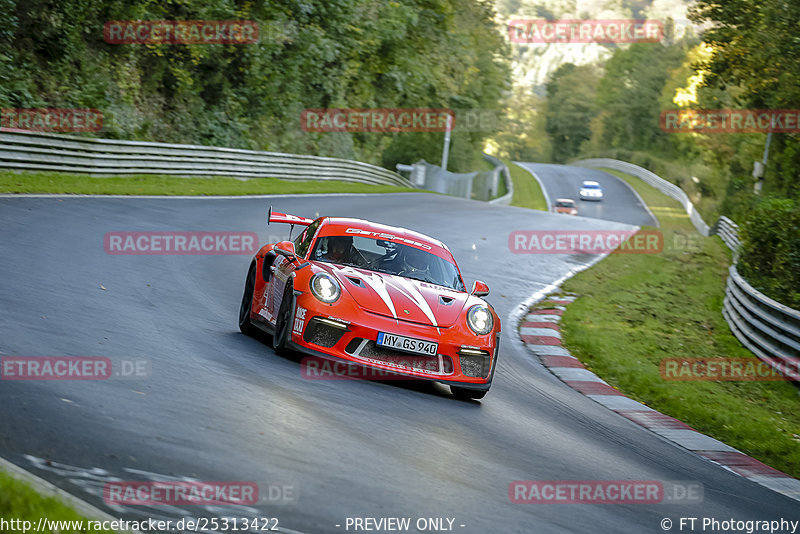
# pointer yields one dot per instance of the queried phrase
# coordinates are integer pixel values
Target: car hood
(401, 298)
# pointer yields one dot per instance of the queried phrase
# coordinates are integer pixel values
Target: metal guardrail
(455, 184)
(36, 151)
(766, 327)
(506, 199)
(728, 231)
(477, 185)
(659, 183)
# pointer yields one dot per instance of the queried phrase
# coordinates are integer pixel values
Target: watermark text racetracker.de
(200, 493)
(178, 493)
(728, 369)
(377, 120)
(534, 31)
(585, 242)
(711, 121)
(605, 492)
(730, 524)
(317, 368)
(72, 368)
(180, 243)
(180, 32)
(52, 119)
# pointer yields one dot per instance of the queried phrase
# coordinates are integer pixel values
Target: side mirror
(479, 289)
(285, 248)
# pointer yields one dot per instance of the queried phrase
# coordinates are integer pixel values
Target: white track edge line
(48, 489)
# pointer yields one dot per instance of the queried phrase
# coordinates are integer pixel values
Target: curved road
(620, 203)
(219, 406)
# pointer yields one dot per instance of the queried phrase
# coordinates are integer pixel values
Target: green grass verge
(68, 183)
(527, 193)
(636, 309)
(501, 186)
(20, 501)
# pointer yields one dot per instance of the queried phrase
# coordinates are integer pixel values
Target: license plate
(407, 344)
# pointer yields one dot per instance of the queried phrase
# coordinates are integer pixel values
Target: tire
(465, 394)
(245, 326)
(283, 325)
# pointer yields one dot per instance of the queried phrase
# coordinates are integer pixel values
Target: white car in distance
(590, 190)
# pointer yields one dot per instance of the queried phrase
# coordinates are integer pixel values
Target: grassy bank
(705, 188)
(20, 501)
(635, 310)
(68, 183)
(527, 193)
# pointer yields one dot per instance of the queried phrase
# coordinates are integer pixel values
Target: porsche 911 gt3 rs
(374, 295)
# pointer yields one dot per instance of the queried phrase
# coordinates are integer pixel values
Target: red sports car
(374, 295)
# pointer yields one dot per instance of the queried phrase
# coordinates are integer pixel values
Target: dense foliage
(571, 106)
(770, 256)
(747, 58)
(311, 54)
(589, 110)
(755, 64)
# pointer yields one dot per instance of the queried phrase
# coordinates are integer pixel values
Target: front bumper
(463, 359)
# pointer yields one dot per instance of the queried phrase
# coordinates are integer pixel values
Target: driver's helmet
(339, 247)
(415, 259)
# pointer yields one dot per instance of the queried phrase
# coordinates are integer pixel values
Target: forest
(248, 92)
(310, 54)
(746, 58)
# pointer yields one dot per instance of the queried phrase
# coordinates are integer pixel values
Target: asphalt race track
(619, 203)
(220, 406)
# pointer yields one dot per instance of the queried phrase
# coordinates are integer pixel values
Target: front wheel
(245, 326)
(280, 340)
(465, 394)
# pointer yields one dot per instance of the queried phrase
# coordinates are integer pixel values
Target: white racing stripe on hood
(377, 283)
(404, 285)
(413, 293)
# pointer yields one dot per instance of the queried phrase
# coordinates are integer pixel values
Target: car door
(282, 269)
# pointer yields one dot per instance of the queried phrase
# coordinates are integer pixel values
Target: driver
(341, 250)
(415, 261)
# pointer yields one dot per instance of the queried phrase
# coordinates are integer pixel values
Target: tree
(629, 93)
(311, 54)
(571, 95)
(756, 60)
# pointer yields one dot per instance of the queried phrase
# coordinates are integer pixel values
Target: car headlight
(479, 319)
(325, 288)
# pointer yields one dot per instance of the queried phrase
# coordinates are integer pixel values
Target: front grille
(322, 334)
(474, 365)
(361, 348)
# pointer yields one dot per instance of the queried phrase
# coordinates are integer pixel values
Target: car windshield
(565, 203)
(387, 257)
(591, 186)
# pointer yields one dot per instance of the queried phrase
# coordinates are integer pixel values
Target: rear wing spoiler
(275, 217)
